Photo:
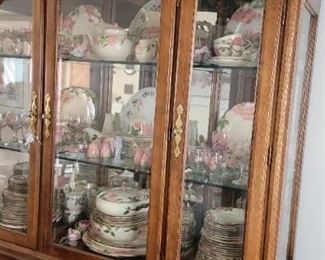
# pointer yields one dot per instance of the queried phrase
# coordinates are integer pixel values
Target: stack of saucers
(14, 211)
(58, 205)
(188, 227)
(119, 222)
(222, 234)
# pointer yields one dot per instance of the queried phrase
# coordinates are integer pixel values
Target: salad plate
(78, 103)
(146, 23)
(237, 123)
(137, 116)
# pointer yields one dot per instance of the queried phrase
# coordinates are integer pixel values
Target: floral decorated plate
(238, 123)
(247, 19)
(137, 116)
(78, 103)
(82, 20)
(122, 201)
(106, 249)
(146, 23)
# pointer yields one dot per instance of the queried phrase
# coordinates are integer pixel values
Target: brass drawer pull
(33, 117)
(47, 116)
(178, 132)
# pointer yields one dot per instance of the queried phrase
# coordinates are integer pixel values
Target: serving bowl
(122, 201)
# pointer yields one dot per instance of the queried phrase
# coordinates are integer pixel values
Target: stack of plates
(188, 227)
(58, 205)
(119, 222)
(222, 235)
(133, 248)
(14, 211)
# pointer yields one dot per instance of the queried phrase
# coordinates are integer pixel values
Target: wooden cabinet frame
(273, 99)
(285, 93)
(161, 135)
(30, 238)
(267, 87)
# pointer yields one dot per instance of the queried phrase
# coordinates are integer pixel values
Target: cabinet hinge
(284, 14)
(269, 156)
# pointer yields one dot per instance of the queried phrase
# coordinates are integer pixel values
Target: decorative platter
(248, 19)
(78, 102)
(137, 116)
(146, 23)
(82, 20)
(238, 123)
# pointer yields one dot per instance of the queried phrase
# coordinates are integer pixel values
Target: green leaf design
(223, 122)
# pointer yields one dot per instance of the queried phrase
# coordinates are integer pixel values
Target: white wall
(310, 240)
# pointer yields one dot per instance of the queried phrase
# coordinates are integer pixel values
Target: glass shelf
(218, 184)
(15, 56)
(109, 163)
(206, 67)
(16, 147)
(90, 60)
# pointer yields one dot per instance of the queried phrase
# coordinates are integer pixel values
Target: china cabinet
(152, 129)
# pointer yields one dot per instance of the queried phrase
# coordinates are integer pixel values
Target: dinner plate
(78, 103)
(146, 23)
(139, 113)
(238, 123)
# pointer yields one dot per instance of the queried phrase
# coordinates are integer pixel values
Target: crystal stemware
(14, 123)
(3, 123)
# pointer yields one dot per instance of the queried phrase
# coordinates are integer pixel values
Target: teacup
(234, 45)
(146, 50)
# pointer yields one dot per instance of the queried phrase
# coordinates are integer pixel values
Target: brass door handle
(47, 116)
(178, 131)
(33, 115)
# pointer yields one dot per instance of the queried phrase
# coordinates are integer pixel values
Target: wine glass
(3, 123)
(14, 123)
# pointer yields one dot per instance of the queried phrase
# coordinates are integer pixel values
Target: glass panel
(221, 116)
(105, 100)
(15, 96)
(298, 89)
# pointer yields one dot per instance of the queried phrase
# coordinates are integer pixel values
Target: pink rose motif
(68, 23)
(65, 97)
(245, 15)
(220, 142)
(112, 40)
(93, 16)
(246, 111)
(83, 225)
(237, 41)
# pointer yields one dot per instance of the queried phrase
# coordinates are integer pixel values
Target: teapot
(112, 44)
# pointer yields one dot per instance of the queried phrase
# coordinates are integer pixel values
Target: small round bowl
(118, 233)
(232, 45)
(122, 201)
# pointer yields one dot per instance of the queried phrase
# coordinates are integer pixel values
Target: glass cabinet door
(214, 117)
(19, 150)
(102, 128)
